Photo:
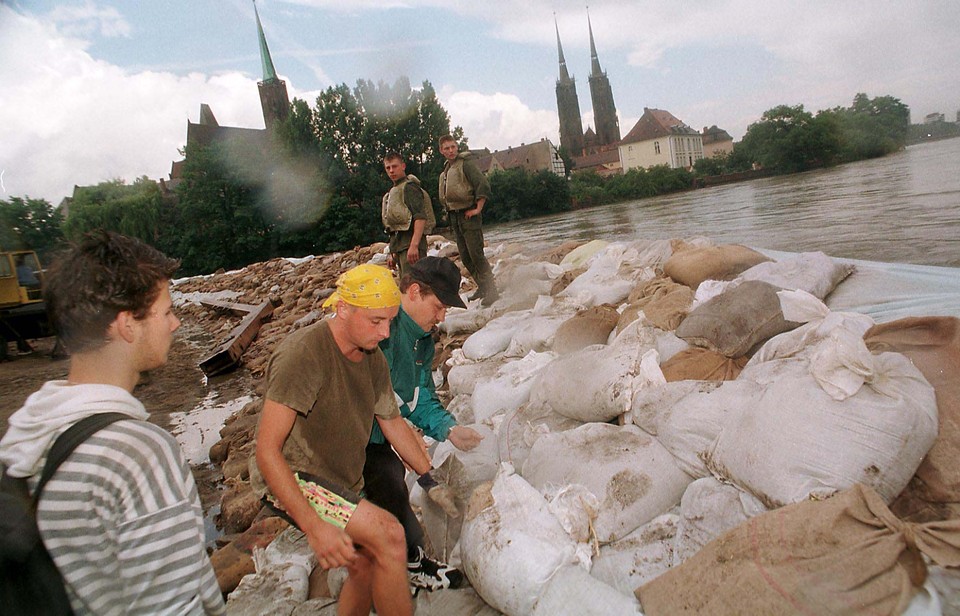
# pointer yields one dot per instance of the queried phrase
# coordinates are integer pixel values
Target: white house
(659, 138)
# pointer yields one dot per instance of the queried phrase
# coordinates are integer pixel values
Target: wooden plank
(227, 356)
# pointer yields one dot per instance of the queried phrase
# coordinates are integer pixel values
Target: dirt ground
(177, 387)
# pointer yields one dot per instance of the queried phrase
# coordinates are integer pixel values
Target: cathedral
(606, 133)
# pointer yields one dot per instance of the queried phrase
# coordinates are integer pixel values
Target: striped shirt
(122, 520)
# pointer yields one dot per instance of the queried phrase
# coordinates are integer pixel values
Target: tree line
(315, 186)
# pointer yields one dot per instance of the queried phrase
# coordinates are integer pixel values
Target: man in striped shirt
(121, 517)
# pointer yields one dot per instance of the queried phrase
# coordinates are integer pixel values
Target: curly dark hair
(104, 274)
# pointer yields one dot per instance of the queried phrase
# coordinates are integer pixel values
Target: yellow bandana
(366, 286)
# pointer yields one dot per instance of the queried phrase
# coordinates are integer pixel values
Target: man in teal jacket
(428, 289)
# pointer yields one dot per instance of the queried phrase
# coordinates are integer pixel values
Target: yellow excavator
(22, 311)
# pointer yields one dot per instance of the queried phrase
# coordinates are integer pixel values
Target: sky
(95, 90)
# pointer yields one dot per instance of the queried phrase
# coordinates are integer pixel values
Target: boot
(490, 295)
(478, 294)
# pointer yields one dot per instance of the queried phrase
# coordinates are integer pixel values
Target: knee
(394, 540)
(361, 568)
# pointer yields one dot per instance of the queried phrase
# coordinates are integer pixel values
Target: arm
(332, 545)
(406, 442)
(413, 253)
(481, 187)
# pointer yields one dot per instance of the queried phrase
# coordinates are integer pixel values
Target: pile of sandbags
(740, 424)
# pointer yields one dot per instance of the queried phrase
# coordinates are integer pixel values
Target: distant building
(936, 116)
(603, 162)
(607, 133)
(659, 138)
(601, 94)
(568, 107)
(246, 144)
(533, 157)
(716, 140)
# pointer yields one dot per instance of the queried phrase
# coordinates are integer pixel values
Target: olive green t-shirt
(335, 400)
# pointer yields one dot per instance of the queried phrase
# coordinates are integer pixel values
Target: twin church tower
(572, 138)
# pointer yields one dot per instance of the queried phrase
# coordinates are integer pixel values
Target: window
(656, 147)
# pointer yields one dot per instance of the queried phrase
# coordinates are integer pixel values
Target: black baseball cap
(442, 276)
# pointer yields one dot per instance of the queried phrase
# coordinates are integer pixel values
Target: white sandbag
(579, 256)
(602, 283)
(452, 602)
(813, 272)
(946, 583)
(818, 323)
(707, 510)
(668, 344)
(574, 591)
(511, 545)
(536, 334)
(628, 563)
(632, 475)
(461, 407)
(521, 428)
(649, 253)
(494, 337)
(282, 578)
(509, 387)
(463, 377)
(686, 417)
(596, 383)
(796, 440)
(523, 283)
(460, 321)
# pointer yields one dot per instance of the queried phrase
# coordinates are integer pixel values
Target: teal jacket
(409, 351)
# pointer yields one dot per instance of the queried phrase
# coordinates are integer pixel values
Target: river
(902, 208)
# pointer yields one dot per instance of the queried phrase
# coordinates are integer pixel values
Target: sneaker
(429, 574)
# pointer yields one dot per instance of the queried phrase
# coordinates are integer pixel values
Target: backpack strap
(68, 441)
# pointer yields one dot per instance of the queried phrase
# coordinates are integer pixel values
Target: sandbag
(686, 417)
(702, 365)
(574, 591)
(847, 554)
(509, 387)
(462, 472)
(511, 545)
(281, 582)
(521, 428)
(579, 256)
(596, 383)
(495, 336)
(724, 262)
(537, 334)
(813, 272)
(587, 327)
(463, 377)
(737, 320)
(641, 556)
(603, 282)
(634, 478)
(835, 416)
(707, 510)
(933, 345)
(664, 302)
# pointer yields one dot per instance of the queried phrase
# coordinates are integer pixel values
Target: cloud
(499, 120)
(89, 19)
(78, 120)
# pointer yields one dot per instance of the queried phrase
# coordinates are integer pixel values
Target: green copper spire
(269, 73)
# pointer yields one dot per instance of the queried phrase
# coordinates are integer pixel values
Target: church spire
(594, 60)
(564, 75)
(269, 73)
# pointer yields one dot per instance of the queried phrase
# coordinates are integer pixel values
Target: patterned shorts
(332, 507)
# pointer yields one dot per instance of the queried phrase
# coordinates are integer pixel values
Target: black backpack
(30, 582)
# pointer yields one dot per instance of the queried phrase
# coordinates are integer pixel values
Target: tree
(517, 193)
(136, 210)
(33, 224)
(789, 139)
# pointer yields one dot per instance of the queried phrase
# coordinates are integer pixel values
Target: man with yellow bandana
(326, 383)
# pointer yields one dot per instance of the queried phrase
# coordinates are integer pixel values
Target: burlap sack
(933, 345)
(724, 262)
(844, 555)
(702, 365)
(737, 320)
(587, 327)
(664, 302)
